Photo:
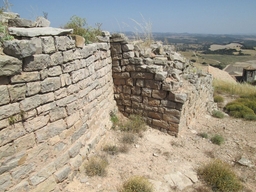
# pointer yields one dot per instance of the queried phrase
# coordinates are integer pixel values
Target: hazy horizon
(186, 16)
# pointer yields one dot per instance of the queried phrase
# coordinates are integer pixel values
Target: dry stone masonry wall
(56, 95)
(159, 85)
(55, 101)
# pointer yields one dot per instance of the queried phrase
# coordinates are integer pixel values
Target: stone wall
(56, 95)
(161, 86)
(55, 101)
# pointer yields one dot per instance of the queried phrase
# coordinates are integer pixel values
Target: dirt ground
(170, 163)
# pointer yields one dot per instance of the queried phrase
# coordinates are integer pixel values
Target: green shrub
(217, 139)
(111, 149)
(137, 184)
(135, 124)
(218, 114)
(80, 27)
(4, 33)
(96, 166)
(250, 117)
(218, 99)
(203, 135)
(238, 109)
(220, 177)
(114, 119)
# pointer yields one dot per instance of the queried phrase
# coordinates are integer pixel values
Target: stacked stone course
(155, 88)
(55, 101)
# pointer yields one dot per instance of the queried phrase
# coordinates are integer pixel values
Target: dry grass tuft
(137, 184)
(96, 166)
(240, 89)
(220, 177)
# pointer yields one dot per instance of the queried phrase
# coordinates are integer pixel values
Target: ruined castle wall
(164, 89)
(55, 101)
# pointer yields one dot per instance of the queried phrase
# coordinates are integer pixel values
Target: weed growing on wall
(4, 34)
(80, 27)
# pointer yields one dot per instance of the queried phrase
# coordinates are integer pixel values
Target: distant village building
(249, 74)
(242, 71)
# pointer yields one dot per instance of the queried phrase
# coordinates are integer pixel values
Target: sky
(176, 16)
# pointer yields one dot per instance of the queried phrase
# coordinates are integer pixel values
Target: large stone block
(161, 76)
(152, 84)
(76, 162)
(141, 75)
(57, 113)
(42, 175)
(136, 90)
(159, 94)
(64, 43)
(155, 115)
(4, 95)
(22, 172)
(65, 79)
(46, 98)
(17, 92)
(168, 104)
(79, 41)
(48, 44)
(57, 59)
(30, 103)
(4, 123)
(54, 71)
(50, 130)
(74, 150)
(20, 22)
(79, 75)
(8, 110)
(66, 100)
(62, 174)
(21, 48)
(68, 56)
(121, 75)
(173, 112)
(36, 123)
(128, 47)
(10, 163)
(11, 133)
(25, 77)
(127, 55)
(25, 142)
(22, 186)
(160, 123)
(171, 119)
(78, 133)
(33, 88)
(36, 62)
(50, 84)
(61, 93)
(9, 65)
(38, 31)
(46, 186)
(5, 182)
